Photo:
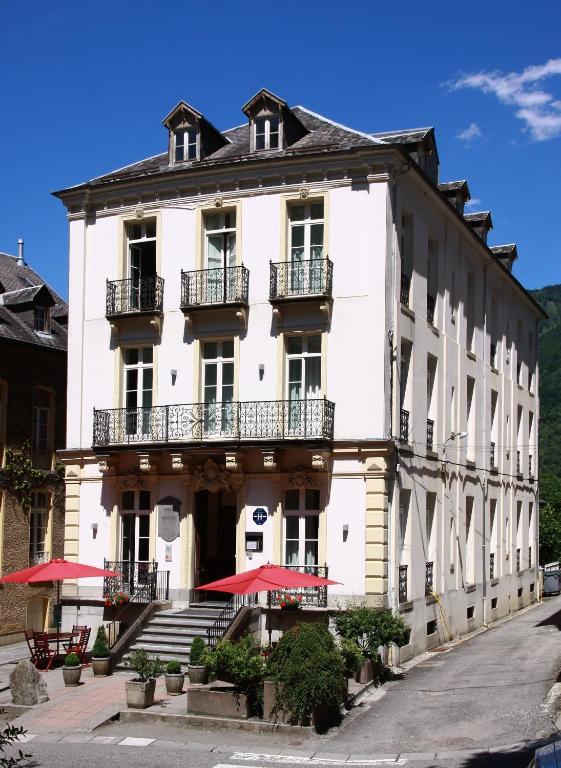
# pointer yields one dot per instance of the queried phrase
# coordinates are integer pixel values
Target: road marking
(311, 761)
(131, 741)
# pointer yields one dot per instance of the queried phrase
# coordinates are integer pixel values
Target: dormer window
(42, 319)
(267, 132)
(186, 145)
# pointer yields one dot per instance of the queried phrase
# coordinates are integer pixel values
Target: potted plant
(305, 681)
(72, 670)
(198, 672)
(100, 655)
(140, 690)
(290, 602)
(174, 678)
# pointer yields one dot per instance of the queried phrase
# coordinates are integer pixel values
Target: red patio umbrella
(55, 570)
(264, 579)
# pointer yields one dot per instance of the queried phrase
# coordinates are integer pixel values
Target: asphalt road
(487, 693)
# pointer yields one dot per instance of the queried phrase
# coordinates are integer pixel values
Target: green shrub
(173, 668)
(100, 648)
(308, 673)
(197, 650)
(145, 666)
(239, 663)
(352, 655)
(72, 660)
(370, 628)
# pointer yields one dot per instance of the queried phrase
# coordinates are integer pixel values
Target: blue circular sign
(259, 516)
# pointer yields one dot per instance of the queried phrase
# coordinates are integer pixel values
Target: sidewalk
(9, 657)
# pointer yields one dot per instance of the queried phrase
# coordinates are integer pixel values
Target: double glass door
(142, 265)
(138, 395)
(218, 389)
(303, 383)
(220, 257)
(135, 539)
(306, 266)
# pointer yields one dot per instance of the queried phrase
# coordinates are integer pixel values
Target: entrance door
(218, 388)
(135, 538)
(37, 613)
(215, 540)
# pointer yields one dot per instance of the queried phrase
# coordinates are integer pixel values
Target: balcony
(430, 434)
(309, 596)
(301, 280)
(518, 464)
(274, 420)
(403, 426)
(492, 457)
(518, 561)
(431, 304)
(492, 565)
(429, 578)
(529, 557)
(405, 289)
(134, 297)
(208, 288)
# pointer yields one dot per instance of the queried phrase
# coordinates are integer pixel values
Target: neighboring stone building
(33, 340)
(280, 334)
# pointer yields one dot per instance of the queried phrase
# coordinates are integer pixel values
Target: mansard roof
(23, 286)
(455, 187)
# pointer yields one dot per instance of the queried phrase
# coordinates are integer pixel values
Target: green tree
(550, 533)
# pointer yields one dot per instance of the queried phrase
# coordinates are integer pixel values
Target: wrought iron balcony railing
(214, 287)
(403, 426)
(140, 578)
(431, 304)
(403, 591)
(529, 557)
(405, 289)
(492, 457)
(301, 279)
(134, 296)
(518, 560)
(492, 565)
(429, 578)
(430, 434)
(316, 596)
(254, 420)
(518, 465)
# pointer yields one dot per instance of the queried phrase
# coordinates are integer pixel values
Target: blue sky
(84, 87)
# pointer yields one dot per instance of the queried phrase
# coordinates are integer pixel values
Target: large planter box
(140, 695)
(217, 702)
(269, 703)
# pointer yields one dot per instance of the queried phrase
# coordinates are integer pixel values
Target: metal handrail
(253, 420)
(227, 616)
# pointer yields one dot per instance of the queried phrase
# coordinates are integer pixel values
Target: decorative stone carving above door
(213, 477)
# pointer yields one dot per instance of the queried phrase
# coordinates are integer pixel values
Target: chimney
(20, 262)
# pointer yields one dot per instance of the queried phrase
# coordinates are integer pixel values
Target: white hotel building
(288, 343)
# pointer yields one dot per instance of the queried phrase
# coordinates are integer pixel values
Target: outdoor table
(57, 637)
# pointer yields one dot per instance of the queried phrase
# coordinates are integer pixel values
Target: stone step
(181, 631)
(183, 621)
(163, 650)
(181, 640)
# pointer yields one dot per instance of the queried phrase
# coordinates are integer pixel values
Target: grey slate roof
(408, 136)
(451, 187)
(323, 134)
(505, 250)
(478, 216)
(21, 285)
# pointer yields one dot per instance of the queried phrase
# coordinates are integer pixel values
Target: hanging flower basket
(115, 599)
(290, 602)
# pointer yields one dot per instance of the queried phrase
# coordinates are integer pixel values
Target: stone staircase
(169, 634)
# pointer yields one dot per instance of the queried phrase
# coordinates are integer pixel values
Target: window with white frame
(301, 526)
(267, 132)
(303, 355)
(138, 389)
(38, 520)
(136, 507)
(141, 267)
(186, 145)
(306, 249)
(219, 256)
(218, 371)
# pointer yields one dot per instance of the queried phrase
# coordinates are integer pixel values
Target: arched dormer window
(191, 136)
(272, 124)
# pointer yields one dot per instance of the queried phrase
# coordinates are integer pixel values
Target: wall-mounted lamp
(345, 531)
(261, 371)
(94, 530)
(173, 376)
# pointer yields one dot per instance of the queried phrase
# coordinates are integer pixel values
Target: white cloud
(473, 203)
(538, 109)
(469, 134)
